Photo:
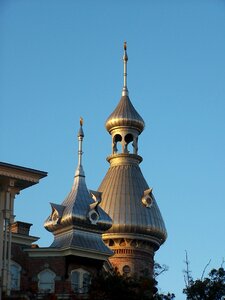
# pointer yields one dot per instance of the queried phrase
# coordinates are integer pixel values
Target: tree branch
(203, 273)
(187, 272)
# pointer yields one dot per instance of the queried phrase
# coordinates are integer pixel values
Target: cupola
(125, 123)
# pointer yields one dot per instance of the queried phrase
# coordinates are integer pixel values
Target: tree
(164, 297)
(158, 270)
(106, 286)
(115, 286)
(205, 288)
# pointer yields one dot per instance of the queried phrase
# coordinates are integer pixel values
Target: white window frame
(49, 282)
(81, 287)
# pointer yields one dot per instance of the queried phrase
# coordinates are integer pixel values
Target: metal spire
(80, 135)
(125, 59)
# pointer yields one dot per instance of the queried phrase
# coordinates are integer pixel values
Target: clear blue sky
(60, 60)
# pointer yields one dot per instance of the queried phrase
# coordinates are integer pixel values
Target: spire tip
(80, 132)
(125, 59)
(125, 46)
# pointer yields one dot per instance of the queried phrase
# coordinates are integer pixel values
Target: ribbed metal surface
(125, 115)
(123, 188)
(76, 208)
(81, 239)
(79, 221)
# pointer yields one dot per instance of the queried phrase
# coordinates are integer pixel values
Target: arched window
(128, 138)
(117, 147)
(46, 281)
(80, 281)
(15, 271)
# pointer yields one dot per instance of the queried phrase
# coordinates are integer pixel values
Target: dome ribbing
(125, 115)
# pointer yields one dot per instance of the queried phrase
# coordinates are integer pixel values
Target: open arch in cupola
(117, 145)
(128, 139)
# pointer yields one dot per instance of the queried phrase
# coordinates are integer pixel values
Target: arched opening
(15, 271)
(117, 147)
(111, 243)
(128, 138)
(46, 281)
(80, 281)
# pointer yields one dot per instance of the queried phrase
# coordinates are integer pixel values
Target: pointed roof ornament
(80, 135)
(125, 115)
(125, 60)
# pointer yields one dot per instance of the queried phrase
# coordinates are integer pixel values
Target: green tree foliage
(205, 288)
(208, 288)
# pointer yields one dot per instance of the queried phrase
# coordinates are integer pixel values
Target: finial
(80, 135)
(125, 59)
(80, 132)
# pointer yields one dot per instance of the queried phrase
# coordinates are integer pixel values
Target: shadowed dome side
(125, 115)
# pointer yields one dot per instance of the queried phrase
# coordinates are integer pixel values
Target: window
(46, 281)
(75, 280)
(80, 281)
(126, 270)
(15, 271)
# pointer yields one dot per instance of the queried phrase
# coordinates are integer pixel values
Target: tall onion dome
(77, 223)
(138, 228)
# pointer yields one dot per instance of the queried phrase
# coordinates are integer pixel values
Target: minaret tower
(138, 228)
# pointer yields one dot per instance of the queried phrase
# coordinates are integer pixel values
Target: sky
(60, 60)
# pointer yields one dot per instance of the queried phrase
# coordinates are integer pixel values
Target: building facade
(13, 179)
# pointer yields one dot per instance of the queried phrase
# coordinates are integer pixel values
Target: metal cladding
(82, 240)
(126, 196)
(75, 211)
(79, 221)
(125, 115)
(123, 191)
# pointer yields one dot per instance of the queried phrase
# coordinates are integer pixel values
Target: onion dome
(125, 115)
(79, 221)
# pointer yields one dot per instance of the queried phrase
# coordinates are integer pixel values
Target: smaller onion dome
(125, 115)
